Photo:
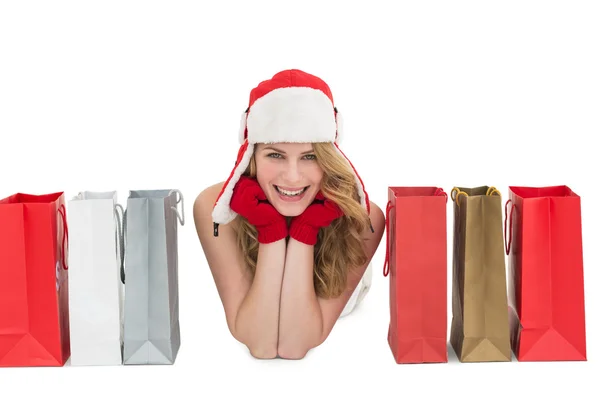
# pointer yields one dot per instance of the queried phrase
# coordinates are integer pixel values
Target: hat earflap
(242, 131)
(339, 122)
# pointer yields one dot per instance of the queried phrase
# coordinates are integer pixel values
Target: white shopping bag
(95, 286)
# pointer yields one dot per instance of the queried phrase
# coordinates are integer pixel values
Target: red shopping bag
(34, 319)
(416, 260)
(546, 288)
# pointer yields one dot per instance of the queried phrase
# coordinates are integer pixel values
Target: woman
(290, 234)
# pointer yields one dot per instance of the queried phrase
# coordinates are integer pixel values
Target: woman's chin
(290, 210)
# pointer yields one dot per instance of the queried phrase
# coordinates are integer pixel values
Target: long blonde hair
(339, 246)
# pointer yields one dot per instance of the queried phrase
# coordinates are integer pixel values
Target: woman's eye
(277, 155)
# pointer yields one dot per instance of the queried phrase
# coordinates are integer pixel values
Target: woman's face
(289, 175)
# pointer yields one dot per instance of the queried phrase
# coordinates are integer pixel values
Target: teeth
(288, 193)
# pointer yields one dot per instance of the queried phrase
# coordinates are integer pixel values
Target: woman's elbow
(257, 350)
(294, 352)
(263, 352)
(297, 351)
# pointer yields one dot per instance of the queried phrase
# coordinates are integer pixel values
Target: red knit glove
(321, 213)
(250, 202)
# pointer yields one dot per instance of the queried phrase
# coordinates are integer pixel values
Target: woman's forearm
(257, 320)
(300, 318)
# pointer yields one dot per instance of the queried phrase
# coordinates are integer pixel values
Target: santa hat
(293, 107)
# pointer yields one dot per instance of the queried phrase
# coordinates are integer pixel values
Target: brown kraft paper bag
(480, 320)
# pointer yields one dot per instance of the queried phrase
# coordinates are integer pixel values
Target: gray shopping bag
(150, 273)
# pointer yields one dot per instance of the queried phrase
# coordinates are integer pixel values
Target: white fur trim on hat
(292, 114)
(222, 213)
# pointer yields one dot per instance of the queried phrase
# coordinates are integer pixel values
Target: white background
(119, 95)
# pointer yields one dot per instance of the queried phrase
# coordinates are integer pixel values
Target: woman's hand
(250, 202)
(321, 213)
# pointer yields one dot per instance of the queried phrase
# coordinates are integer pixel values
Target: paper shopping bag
(480, 322)
(34, 309)
(416, 260)
(151, 323)
(546, 286)
(95, 291)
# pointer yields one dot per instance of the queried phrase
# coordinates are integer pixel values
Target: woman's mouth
(290, 195)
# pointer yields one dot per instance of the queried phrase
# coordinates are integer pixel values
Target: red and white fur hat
(293, 107)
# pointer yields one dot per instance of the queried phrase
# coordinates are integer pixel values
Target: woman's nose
(292, 172)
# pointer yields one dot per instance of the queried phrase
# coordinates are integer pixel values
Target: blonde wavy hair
(339, 246)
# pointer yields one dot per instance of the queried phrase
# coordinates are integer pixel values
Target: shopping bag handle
(440, 191)
(512, 208)
(121, 238)
(65, 239)
(456, 192)
(386, 264)
(492, 191)
(181, 217)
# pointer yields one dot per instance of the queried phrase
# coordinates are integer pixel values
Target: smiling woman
(289, 236)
